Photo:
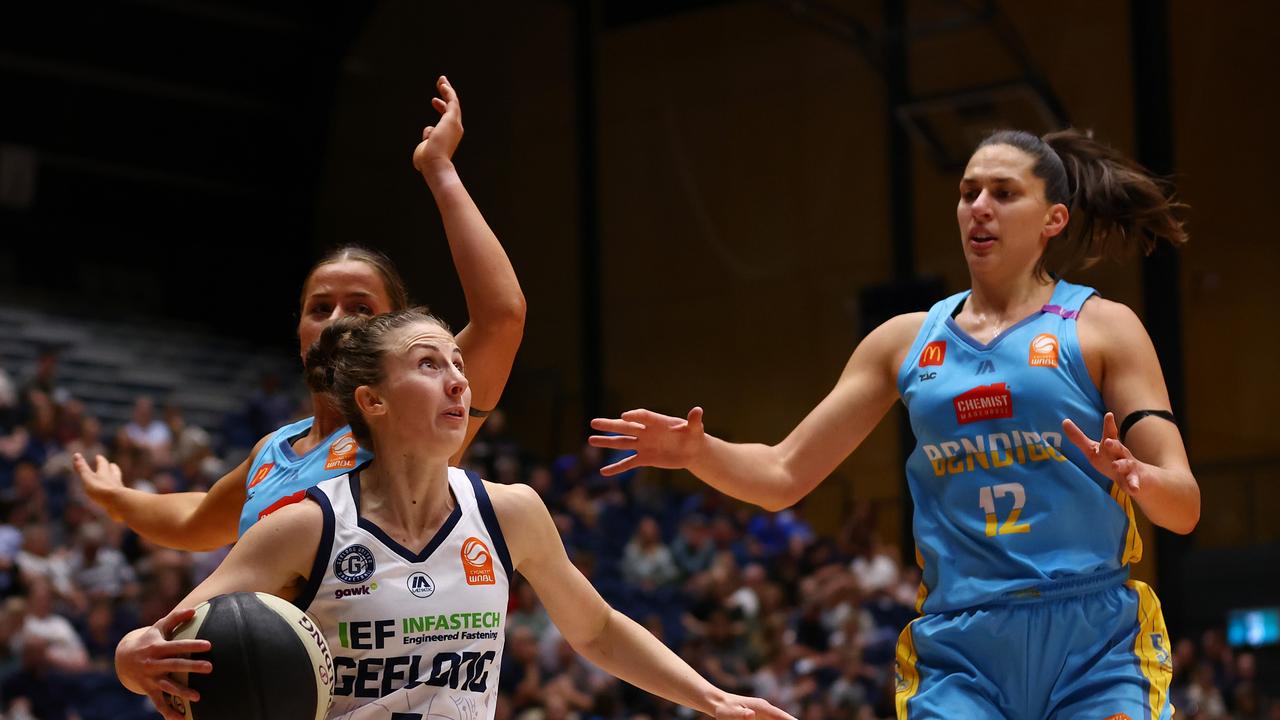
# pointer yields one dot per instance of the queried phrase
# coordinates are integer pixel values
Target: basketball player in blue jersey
(405, 562)
(1023, 484)
(349, 281)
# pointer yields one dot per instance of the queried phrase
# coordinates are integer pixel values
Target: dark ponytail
(349, 354)
(1116, 205)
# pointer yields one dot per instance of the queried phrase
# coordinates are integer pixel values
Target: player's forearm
(751, 472)
(165, 519)
(1170, 498)
(494, 299)
(629, 652)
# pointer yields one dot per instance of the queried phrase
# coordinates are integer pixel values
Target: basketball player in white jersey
(406, 562)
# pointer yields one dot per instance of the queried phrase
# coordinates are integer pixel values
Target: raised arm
(1151, 463)
(192, 521)
(495, 304)
(274, 557)
(774, 476)
(599, 633)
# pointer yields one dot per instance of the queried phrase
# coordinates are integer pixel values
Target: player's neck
(327, 418)
(1009, 299)
(407, 494)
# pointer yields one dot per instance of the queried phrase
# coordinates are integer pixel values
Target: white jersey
(415, 635)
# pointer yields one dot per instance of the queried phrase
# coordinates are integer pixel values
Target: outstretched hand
(145, 659)
(1109, 456)
(439, 141)
(658, 440)
(100, 484)
(739, 707)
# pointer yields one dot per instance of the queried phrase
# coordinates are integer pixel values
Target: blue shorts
(1098, 652)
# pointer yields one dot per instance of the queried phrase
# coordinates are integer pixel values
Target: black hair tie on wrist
(478, 413)
(1137, 415)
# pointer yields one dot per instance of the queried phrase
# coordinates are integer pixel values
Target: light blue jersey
(1025, 550)
(1005, 505)
(279, 476)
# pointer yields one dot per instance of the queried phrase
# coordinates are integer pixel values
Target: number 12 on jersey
(987, 501)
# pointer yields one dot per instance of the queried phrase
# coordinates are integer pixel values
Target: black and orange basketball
(270, 661)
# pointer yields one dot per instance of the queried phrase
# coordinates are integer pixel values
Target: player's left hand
(439, 141)
(740, 707)
(1109, 456)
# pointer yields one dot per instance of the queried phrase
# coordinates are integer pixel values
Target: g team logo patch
(477, 562)
(261, 474)
(354, 564)
(1044, 351)
(935, 353)
(342, 453)
(1119, 716)
(985, 402)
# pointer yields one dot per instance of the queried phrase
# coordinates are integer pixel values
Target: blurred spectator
(36, 690)
(1204, 700)
(188, 440)
(98, 570)
(647, 564)
(43, 381)
(693, 550)
(26, 499)
(147, 431)
(41, 561)
(61, 643)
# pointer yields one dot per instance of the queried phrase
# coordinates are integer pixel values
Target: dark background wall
(192, 159)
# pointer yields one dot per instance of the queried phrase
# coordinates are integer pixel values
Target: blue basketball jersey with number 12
(1004, 503)
(279, 476)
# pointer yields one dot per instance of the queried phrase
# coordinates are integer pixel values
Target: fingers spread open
(621, 466)
(622, 427)
(613, 442)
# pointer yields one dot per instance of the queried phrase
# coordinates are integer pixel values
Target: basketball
(270, 661)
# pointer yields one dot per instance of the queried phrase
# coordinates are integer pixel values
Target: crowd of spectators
(757, 602)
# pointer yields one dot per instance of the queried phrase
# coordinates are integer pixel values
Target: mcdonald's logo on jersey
(934, 353)
(261, 474)
(342, 453)
(477, 562)
(1044, 351)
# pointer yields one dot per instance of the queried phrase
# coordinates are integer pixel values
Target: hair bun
(320, 362)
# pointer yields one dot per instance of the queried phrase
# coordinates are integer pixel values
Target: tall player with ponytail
(406, 562)
(350, 280)
(1024, 483)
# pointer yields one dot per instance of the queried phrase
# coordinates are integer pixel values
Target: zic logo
(986, 366)
(354, 565)
(477, 562)
(261, 474)
(420, 585)
(1044, 351)
(934, 353)
(342, 453)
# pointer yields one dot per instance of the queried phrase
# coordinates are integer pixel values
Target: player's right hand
(101, 484)
(739, 707)
(146, 657)
(658, 440)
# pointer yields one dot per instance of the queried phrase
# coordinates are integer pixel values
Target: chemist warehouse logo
(985, 402)
(477, 562)
(342, 453)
